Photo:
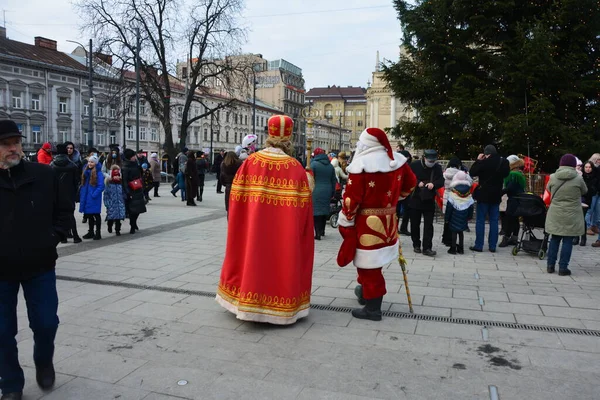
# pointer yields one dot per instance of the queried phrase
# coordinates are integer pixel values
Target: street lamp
(89, 56)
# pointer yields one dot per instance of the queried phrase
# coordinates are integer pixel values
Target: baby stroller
(335, 206)
(532, 210)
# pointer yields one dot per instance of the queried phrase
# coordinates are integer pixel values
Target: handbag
(135, 184)
(425, 193)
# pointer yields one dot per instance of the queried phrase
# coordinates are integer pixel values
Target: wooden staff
(402, 262)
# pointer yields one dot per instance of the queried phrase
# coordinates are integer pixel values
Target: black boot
(583, 240)
(576, 241)
(359, 295)
(97, 236)
(45, 376)
(76, 238)
(505, 241)
(109, 224)
(201, 193)
(371, 311)
(90, 234)
(118, 227)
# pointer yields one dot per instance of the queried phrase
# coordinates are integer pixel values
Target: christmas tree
(517, 74)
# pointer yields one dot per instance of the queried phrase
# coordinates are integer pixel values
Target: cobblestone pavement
(118, 342)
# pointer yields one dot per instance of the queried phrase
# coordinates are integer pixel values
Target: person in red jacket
(377, 179)
(44, 155)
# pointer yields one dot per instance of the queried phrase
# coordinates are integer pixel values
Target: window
(359, 113)
(328, 114)
(86, 109)
(348, 113)
(142, 107)
(196, 135)
(85, 137)
(130, 132)
(348, 123)
(179, 111)
(235, 135)
(36, 133)
(113, 111)
(235, 116)
(245, 120)
(153, 135)
(16, 99)
(359, 123)
(100, 138)
(205, 134)
(218, 134)
(227, 117)
(113, 137)
(142, 133)
(100, 110)
(62, 105)
(63, 135)
(227, 136)
(35, 102)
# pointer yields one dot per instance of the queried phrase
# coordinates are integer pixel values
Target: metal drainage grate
(391, 314)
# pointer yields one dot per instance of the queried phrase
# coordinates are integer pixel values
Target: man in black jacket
(491, 170)
(68, 175)
(217, 169)
(422, 202)
(31, 225)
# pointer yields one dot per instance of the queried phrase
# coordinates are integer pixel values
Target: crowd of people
(269, 188)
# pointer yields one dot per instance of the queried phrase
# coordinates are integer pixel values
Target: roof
(337, 93)
(25, 51)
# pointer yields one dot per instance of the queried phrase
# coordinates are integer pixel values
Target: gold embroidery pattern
(270, 190)
(380, 234)
(263, 304)
(273, 161)
(378, 211)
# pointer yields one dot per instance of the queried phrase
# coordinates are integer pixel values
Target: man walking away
(422, 202)
(28, 198)
(217, 169)
(202, 166)
(155, 168)
(68, 175)
(491, 170)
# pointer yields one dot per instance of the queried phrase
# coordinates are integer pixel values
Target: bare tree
(209, 35)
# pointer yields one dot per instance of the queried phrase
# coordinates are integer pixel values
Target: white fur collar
(374, 159)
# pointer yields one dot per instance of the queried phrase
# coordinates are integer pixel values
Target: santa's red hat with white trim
(372, 137)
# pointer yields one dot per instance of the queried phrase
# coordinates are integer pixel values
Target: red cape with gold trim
(267, 272)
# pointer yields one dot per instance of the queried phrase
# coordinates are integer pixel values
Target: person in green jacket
(564, 220)
(514, 184)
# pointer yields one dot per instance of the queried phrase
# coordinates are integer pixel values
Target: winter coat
(491, 172)
(31, 222)
(68, 176)
(564, 216)
(191, 172)
(155, 168)
(514, 183)
(136, 202)
(202, 165)
(458, 208)
(76, 158)
(90, 197)
(217, 163)
(426, 175)
(325, 181)
(448, 175)
(114, 200)
(340, 175)
(44, 157)
(592, 181)
(227, 176)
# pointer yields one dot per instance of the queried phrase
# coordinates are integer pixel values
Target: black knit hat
(61, 149)
(9, 129)
(128, 153)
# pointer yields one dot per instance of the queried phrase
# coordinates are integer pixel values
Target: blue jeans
(591, 217)
(483, 210)
(42, 306)
(565, 253)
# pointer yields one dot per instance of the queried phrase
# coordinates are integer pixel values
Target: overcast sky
(333, 41)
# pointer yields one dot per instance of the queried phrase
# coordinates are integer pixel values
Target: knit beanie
(460, 178)
(145, 166)
(93, 159)
(128, 153)
(490, 149)
(568, 160)
(61, 149)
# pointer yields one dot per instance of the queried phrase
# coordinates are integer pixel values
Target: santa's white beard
(360, 147)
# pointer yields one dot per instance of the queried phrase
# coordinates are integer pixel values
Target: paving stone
(334, 334)
(466, 304)
(233, 387)
(212, 318)
(98, 366)
(311, 394)
(512, 308)
(121, 306)
(483, 315)
(441, 329)
(571, 312)
(525, 338)
(534, 299)
(329, 317)
(429, 291)
(152, 296)
(550, 321)
(465, 294)
(422, 310)
(160, 311)
(158, 396)
(81, 388)
(583, 303)
(588, 344)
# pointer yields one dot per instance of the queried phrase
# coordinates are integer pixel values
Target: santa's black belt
(378, 211)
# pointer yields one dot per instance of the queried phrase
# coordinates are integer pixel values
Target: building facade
(330, 137)
(342, 106)
(384, 110)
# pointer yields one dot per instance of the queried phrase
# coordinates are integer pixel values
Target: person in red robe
(267, 272)
(377, 179)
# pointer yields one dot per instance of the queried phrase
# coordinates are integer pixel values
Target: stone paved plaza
(123, 343)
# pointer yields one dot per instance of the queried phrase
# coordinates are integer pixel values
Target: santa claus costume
(377, 179)
(267, 272)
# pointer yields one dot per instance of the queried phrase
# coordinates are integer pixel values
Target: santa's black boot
(359, 295)
(371, 311)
